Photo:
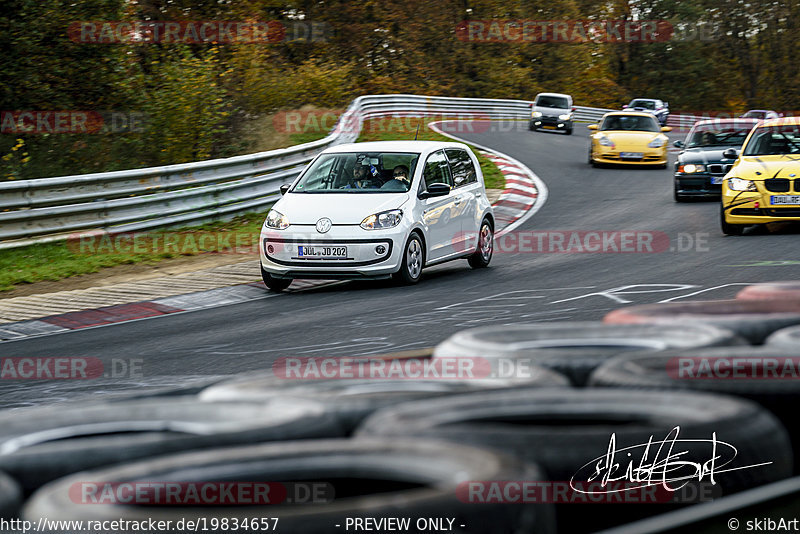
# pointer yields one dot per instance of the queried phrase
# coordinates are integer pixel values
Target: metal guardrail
(49, 209)
(589, 114)
(595, 114)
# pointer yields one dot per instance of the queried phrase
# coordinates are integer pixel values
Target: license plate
(322, 252)
(716, 180)
(549, 127)
(631, 155)
(785, 199)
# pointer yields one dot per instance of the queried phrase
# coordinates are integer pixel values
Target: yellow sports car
(628, 137)
(764, 183)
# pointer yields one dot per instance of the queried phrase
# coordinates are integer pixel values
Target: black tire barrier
(785, 337)
(567, 432)
(754, 320)
(575, 349)
(377, 478)
(10, 497)
(351, 400)
(767, 375)
(771, 291)
(38, 445)
(742, 512)
(561, 430)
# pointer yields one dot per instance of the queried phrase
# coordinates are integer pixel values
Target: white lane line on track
(540, 185)
(708, 289)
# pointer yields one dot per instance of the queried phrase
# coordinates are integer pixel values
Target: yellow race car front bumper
(755, 207)
(650, 156)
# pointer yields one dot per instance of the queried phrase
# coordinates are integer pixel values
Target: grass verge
(62, 259)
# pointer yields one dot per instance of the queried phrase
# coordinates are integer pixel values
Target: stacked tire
(575, 349)
(352, 400)
(375, 478)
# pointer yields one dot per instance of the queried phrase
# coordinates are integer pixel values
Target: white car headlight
(740, 184)
(536, 114)
(657, 143)
(691, 168)
(276, 220)
(386, 219)
(605, 141)
(565, 117)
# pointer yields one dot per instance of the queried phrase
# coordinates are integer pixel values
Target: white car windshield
(555, 102)
(359, 172)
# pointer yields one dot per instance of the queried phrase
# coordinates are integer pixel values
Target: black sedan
(701, 166)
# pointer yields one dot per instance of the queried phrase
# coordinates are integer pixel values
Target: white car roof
(395, 146)
(553, 94)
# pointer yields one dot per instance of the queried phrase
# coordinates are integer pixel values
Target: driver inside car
(362, 178)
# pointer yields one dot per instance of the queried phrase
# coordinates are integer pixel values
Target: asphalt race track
(357, 318)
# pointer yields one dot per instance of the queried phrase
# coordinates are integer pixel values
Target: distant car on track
(701, 165)
(763, 185)
(761, 114)
(631, 138)
(552, 111)
(658, 108)
(352, 214)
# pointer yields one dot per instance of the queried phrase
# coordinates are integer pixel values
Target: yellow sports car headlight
(740, 184)
(605, 141)
(657, 143)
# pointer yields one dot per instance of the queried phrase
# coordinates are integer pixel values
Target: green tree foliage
(184, 105)
(200, 99)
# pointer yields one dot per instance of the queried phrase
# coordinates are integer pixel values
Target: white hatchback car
(378, 209)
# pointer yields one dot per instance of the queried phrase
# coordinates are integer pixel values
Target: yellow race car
(628, 137)
(763, 185)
